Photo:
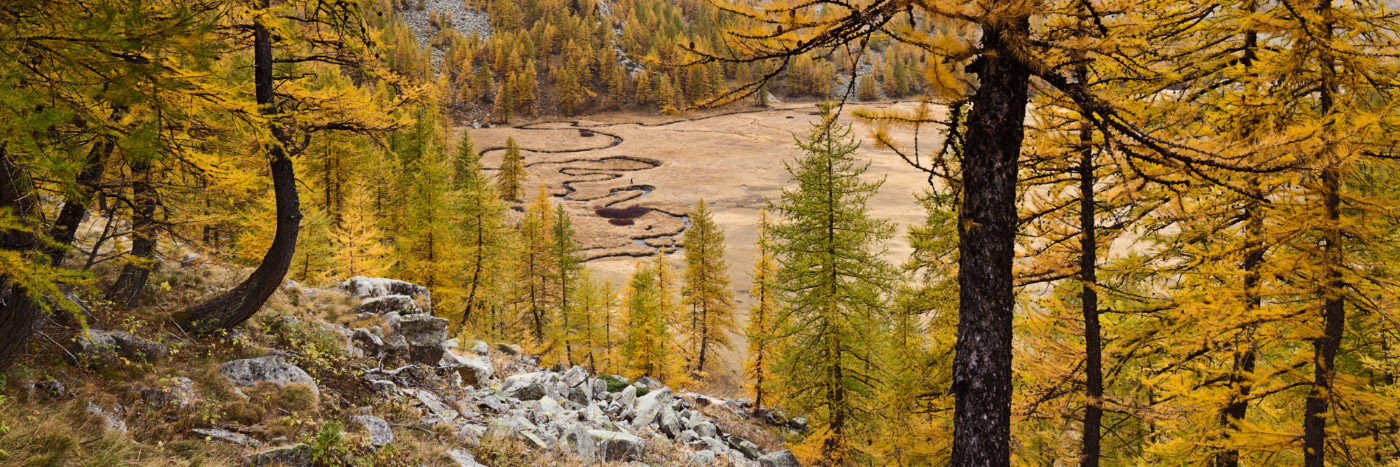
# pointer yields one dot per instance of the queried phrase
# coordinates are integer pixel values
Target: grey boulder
(250, 371)
(99, 347)
(228, 437)
(297, 455)
(379, 432)
(782, 458)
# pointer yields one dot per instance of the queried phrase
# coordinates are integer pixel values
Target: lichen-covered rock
(250, 371)
(379, 432)
(478, 347)
(228, 437)
(782, 458)
(371, 344)
(615, 446)
(475, 371)
(360, 287)
(425, 335)
(509, 349)
(50, 389)
(435, 405)
(177, 392)
(650, 406)
(462, 458)
(110, 421)
(297, 455)
(744, 446)
(401, 304)
(98, 347)
(524, 386)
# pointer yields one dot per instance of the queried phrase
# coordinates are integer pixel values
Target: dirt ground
(734, 161)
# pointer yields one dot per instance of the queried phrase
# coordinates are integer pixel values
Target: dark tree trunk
(18, 314)
(1088, 277)
(75, 203)
(1333, 306)
(1238, 407)
(237, 305)
(986, 233)
(126, 291)
(1333, 323)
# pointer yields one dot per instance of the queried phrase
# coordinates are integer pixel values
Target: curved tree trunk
(237, 305)
(18, 314)
(126, 291)
(986, 236)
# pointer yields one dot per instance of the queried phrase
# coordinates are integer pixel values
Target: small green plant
(328, 443)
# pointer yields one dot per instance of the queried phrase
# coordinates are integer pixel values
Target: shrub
(621, 221)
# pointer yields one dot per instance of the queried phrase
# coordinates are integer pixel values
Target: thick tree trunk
(986, 233)
(237, 305)
(1088, 277)
(75, 204)
(126, 291)
(18, 314)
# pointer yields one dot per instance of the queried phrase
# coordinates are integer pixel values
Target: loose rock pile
(477, 390)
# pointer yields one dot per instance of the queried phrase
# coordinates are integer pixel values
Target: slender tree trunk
(1238, 407)
(126, 291)
(986, 235)
(1333, 306)
(1088, 277)
(18, 314)
(240, 303)
(75, 204)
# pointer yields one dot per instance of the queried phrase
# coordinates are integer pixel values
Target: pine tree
(706, 289)
(510, 179)
(833, 282)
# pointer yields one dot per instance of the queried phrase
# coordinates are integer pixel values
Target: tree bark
(237, 305)
(126, 291)
(1333, 307)
(986, 233)
(75, 204)
(1088, 277)
(18, 314)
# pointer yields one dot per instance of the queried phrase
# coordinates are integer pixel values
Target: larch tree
(566, 272)
(647, 349)
(480, 219)
(510, 179)
(762, 329)
(536, 271)
(706, 290)
(359, 245)
(833, 282)
(314, 29)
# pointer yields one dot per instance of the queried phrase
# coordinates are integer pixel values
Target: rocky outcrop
(371, 287)
(249, 372)
(401, 304)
